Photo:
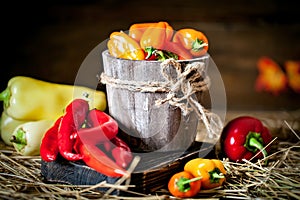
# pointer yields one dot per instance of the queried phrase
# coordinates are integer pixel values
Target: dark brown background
(50, 39)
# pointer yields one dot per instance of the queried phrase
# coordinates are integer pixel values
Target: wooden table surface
(49, 41)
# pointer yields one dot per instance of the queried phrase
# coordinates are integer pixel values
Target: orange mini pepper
(120, 45)
(184, 184)
(211, 171)
(193, 40)
(271, 78)
(154, 36)
(292, 68)
(137, 30)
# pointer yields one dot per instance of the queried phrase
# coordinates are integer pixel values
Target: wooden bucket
(145, 126)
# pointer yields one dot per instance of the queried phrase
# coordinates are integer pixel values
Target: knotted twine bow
(181, 90)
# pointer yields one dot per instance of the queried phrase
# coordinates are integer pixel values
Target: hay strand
(20, 178)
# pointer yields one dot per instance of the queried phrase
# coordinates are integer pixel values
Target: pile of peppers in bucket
(89, 135)
(157, 41)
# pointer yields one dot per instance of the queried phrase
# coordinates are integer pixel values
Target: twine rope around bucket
(181, 88)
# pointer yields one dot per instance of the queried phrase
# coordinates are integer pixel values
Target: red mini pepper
(49, 146)
(98, 118)
(71, 121)
(95, 158)
(243, 137)
(121, 152)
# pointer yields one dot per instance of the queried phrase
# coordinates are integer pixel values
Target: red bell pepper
(244, 137)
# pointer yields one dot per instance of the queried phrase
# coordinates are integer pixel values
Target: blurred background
(49, 40)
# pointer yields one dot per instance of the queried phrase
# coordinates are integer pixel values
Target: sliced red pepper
(71, 121)
(49, 146)
(99, 161)
(243, 137)
(121, 153)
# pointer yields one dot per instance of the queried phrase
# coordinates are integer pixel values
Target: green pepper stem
(191, 180)
(5, 96)
(217, 175)
(183, 183)
(19, 139)
(253, 142)
(198, 45)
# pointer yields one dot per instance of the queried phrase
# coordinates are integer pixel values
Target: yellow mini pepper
(27, 137)
(211, 171)
(121, 45)
(8, 125)
(30, 99)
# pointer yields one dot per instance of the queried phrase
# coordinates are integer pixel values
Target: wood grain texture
(152, 172)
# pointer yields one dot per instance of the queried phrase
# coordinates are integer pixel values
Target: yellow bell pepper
(30, 99)
(27, 137)
(8, 125)
(211, 171)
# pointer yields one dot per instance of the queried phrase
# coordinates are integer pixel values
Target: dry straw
(20, 178)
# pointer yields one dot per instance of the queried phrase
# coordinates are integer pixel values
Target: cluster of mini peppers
(276, 79)
(157, 41)
(198, 173)
(243, 138)
(89, 135)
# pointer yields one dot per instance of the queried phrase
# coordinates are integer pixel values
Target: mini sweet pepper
(30, 99)
(7, 127)
(193, 40)
(211, 171)
(27, 137)
(120, 45)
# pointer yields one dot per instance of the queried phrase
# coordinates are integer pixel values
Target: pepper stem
(215, 175)
(5, 96)
(254, 142)
(19, 139)
(183, 183)
(198, 45)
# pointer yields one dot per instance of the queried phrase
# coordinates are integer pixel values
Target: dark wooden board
(152, 172)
